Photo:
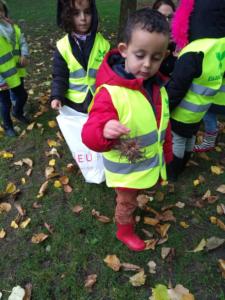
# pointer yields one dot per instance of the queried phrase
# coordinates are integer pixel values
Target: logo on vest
(100, 56)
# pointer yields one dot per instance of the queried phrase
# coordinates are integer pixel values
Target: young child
(77, 57)
(199, 30)
(13, 59)
(167, 8)
(131, 108)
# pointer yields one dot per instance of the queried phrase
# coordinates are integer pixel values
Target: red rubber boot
(125, 233)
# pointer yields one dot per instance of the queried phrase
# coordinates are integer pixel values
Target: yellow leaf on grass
(112, 262)
(5, 207)
(57, 184)
(162, 229)
(53, 143)
(18, 293)
(184, 224)
(160, 292)
(2, 234)
(151, 221)
(52, 124)
(6, 154)
(200, 246)
(38, 238)
(28, 162)
(216, 170)
(14, 224)
(25, 223)
(51, 163)
(138, 279)
(23, 180)
(221, 189)
(10, 188)
(31, 126)
(196, 182)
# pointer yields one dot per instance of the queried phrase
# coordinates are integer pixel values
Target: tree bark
(126, 8)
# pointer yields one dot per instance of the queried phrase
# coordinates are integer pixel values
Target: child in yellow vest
(130, 115)
(13, 59)
(78, 56)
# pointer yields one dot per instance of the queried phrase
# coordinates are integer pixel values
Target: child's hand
(56, 104)
(23, 61)
(114, 129)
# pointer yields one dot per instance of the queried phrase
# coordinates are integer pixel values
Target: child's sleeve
(60, 77)
(187, 67)
(101, 112)
(23, 45)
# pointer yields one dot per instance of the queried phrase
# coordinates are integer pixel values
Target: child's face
(144, 53)
(82, 16)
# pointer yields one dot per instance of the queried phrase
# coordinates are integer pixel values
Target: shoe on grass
(22, 119)
(10, 132)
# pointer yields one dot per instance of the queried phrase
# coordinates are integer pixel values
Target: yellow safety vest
(8, 70)
(17, 52)
(136, 113)
(81, 81)
(203, 89)
(219, 98)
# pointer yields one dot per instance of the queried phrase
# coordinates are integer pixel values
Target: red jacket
(103, 109)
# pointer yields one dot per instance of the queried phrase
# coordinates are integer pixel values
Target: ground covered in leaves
(57, 234)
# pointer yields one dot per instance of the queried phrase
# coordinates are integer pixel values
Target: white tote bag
(89, 162)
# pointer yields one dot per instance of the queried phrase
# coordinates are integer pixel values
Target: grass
(57, 267)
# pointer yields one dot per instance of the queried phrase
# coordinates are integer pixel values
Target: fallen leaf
(38, 238)
(165, 252)
(20, 210)
(221, 189)
(217, 170)
(48, 172)
(52, 152)
(18, 163)
(196, 182)
(42, 189)
(64, 180)
(200, 246)
(23, 180)
(52, 124)
(10, 188)
(52, 162)
(5, 207)
(2, 233)
(31, 126)
(18, 293)
(77, 209)
(162, 229)
(180, 292)
(151, 221)
(160, 292)
(113, 262)
(90, 281)
(184, 224)
(28, 162)
(150, 244)
(138, 279)
(152, 267)
(142, 200)
(25, 223)
(36, 205)
(214, 242)
(52, 143)
(14, 224)
(99, 217)
(5, 154)
(204, 156)
(220, 209)
(222, 267)
(28, 173)
(49, 227)
(70, 168)
(159, 196)
(67, 188)
(130, 267)
(57, 184)
(180, 204)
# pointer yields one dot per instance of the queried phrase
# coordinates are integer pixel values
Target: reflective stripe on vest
(17, 53)
(81, 81)
(8, 69)
(136, 113)
(204, 89)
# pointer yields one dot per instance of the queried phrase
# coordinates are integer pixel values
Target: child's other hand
(56, 104)
(23, 61)
(114, 129)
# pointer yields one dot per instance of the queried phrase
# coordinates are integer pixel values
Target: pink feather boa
(180, 23)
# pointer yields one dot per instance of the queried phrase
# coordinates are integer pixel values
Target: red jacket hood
(106, 75)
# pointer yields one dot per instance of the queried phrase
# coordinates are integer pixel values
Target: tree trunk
(126, 8)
